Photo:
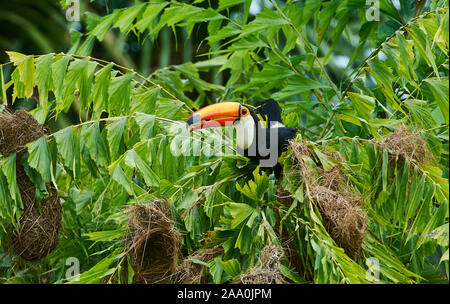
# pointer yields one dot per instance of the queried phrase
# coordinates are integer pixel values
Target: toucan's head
(224, 114)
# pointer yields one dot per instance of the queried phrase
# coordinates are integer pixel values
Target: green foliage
(107, 162)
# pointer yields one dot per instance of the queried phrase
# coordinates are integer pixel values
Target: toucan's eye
(244, 112)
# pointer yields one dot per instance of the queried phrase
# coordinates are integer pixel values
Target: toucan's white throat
(245, 132)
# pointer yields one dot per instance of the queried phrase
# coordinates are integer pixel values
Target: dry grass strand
(266, 271)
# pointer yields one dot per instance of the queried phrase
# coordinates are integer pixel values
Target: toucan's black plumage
(269, 108)
(271, 111)
(250, 133)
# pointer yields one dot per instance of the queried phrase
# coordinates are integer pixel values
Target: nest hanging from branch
(38, 228)
(152, 242)
(17, 130)
(406, 145)
(344, 219)
(38, 231)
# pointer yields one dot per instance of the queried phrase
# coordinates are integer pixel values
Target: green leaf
(271, 73)
(125, 20)
(231, 267)
(217, 272)
(8, 167)
(100, 91)
(223, 4)
(103, 26)
(310, 8)
(39, 157)
(440, 90)
(263, 21)
(115, 135)
(99, 271)
(420, 113)
(325, 16)
(326, 161)
(119, 94)
(441, 234)
(444, 256)
(133, 160)
(240, 212)
(149, 16)
(297, 85)
(9, 211)
(65, 143)
(26, 70)
(384, 169)
(146, 123)
(15, 57)
(168, 108)
(95, 144)
(59, 68)
(80, 199)
(175, 14)
(146, 101)
(44, 79)
(122, 179)
(76, 71)
(85, 48)
(3, 97)
(256, 188)
(104, 236)
(291, 274)
(363, 104)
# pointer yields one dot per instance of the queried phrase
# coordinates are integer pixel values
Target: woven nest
(192, 272)
(37, 235)
(403, 144)
(37, 232)
(17, 130)
(152, 242)
(266, 271)
(344, 219)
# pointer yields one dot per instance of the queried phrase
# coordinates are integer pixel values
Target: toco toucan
(261, 141)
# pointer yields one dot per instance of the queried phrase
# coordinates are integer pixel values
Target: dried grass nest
(17, 130)
(266, 270)
(404, 144)
(38, 228)
(192, 272)
(344, 218)
(152, 242)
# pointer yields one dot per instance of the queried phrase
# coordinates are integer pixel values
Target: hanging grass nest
(152, 242)
(37, 232)
(266, 271)
(403, 144)
(192, 272)
(343, 218)
(17, 130)
(330, 190)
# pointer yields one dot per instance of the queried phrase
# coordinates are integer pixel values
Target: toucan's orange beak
(216, 115)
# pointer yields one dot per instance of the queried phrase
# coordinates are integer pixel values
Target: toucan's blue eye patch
(244, 111)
